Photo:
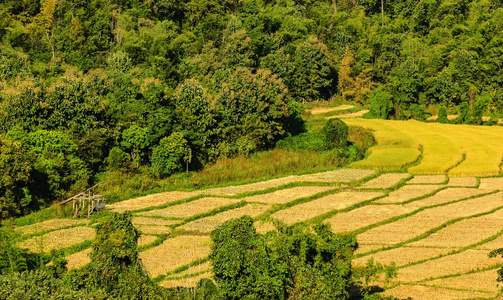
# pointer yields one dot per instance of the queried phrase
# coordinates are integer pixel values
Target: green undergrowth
(239, 170)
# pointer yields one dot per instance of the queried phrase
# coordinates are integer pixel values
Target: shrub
(442, 115)
(118, 160)
(335, 134)
(381, 105)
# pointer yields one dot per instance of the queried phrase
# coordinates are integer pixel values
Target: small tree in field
(335, 133)
(442, 115)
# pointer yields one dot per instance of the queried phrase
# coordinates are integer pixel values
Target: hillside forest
(166, 86)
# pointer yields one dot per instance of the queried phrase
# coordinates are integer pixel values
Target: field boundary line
(463, 158)
(160, 239)
(397, 218)
(417, 162)
(282, 206)
(423, 281)
(434, 230)
(188, 275)
(180, 269)
(32, 235)
(211, 213)
(320, 218)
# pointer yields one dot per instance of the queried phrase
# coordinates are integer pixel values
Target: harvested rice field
(287, 195)
(188, 281)
(464, 262)
(435, 293)
(154, 229)
(409, 192)
(176, 252)
(151, 200)
(491, 184)
(192, 208)
(311, 209)
(465, 232)
(403, 255)
(48, 225)
(138, 221)
(209, 223)
(58, 239)
(146, 239)
(404, 229)
(437, 229)
(386, 181)
(444, 196)
(428, 179)
(484, 281)
(78, 259)
(365, 216)
(463, 181)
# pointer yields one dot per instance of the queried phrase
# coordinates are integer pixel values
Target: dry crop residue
(174, 253)
(58, 239)
(48, 225)
(311, 209)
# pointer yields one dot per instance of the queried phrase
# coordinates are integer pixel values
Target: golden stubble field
(426, 198)
(437, 229)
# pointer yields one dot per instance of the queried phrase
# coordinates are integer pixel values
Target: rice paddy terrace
(438, 229)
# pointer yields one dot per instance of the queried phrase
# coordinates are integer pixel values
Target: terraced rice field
(458, 150)
(438, 230)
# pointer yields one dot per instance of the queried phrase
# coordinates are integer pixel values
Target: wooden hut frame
(85, 203)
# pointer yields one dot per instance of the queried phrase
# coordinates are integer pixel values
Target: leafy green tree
(115, 267)
(292, 263)
(242, 263)
(319, 263)
(42, 284)
(196, 118)
(442, 115)
(335, 134)
(16, 169)
(135, 139)
(496, 253)
(118, 160)
(312, 71)
(169, 155)
(253, 110)
(381, 105)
